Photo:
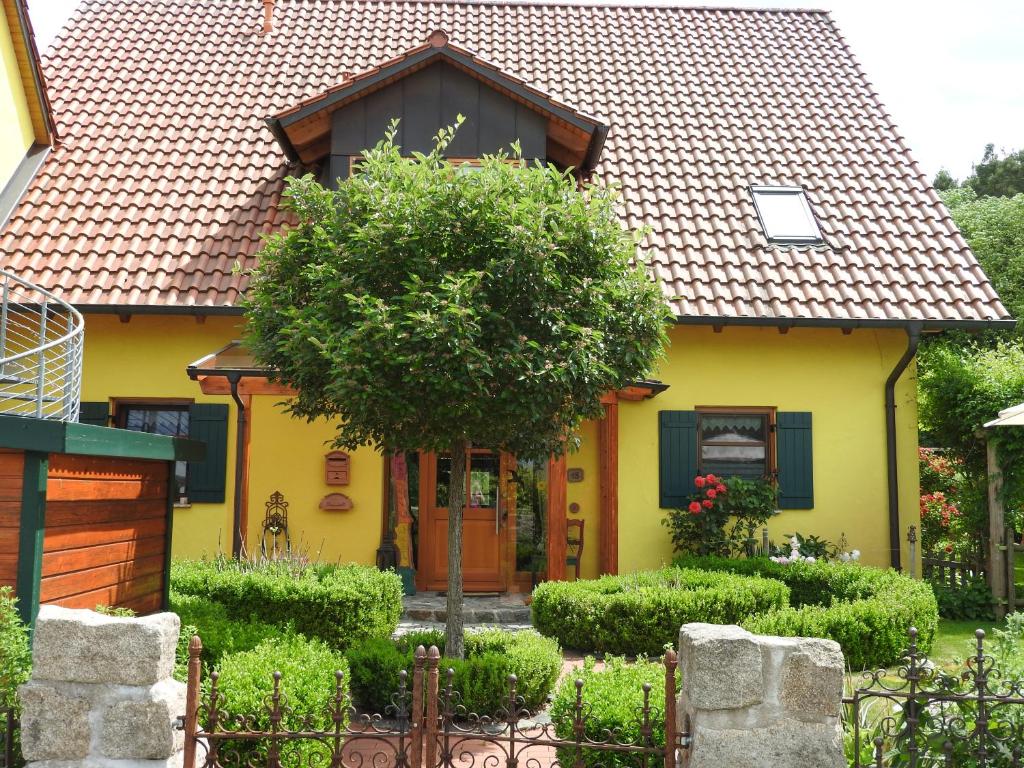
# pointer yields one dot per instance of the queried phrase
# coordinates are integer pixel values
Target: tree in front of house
(428, 306)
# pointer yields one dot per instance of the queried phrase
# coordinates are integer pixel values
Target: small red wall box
(336, 502)
(337, 470)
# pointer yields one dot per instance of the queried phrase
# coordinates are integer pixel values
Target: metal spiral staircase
(41, 343)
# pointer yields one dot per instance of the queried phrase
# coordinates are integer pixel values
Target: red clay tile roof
(168, 176)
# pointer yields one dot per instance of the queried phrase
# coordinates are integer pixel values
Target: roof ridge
(675, 5)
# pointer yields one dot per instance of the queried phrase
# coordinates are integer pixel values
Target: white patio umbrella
(1009, 417)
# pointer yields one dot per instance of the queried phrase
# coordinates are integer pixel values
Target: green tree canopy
(998, 176)
(960, 389)
(994, 228)
(944, 180)
(429, 306)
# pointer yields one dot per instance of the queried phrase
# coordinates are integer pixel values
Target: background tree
(997, 176)
(994, 228)
(428, 307)
(944, 180)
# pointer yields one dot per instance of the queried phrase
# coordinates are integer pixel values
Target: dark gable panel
(348, 129)
(460, 95)
(337, 168)
(427, 101)
(421, 110)
(381, 108)
(531, 128)
(497, 119)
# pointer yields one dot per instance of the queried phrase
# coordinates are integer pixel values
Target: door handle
(497, 513)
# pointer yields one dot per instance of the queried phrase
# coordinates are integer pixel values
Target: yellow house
(26, 124)
(801, 249)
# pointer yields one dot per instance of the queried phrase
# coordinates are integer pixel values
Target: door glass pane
(483, 480)
(531, 479)
(444, 473)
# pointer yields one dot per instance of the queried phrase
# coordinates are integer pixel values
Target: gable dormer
(426, 88)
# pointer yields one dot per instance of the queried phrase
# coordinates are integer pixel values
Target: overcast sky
(950, 72)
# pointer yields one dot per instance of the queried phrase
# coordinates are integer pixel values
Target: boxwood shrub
(481, 678)
(641, 613)
(868, 611)
(308, 682)
(220, 633)
(339, 604)
(613, 698)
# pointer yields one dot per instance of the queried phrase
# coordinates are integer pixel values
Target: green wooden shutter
(95, 413)
(677, 457)
(209, 424)
(795, 460)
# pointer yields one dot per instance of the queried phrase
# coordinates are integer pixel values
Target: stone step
(431, 608)
(471, 615)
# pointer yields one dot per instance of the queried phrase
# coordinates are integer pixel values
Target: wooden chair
(574, 545)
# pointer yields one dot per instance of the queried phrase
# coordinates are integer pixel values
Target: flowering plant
(798, 553)
(699, 528)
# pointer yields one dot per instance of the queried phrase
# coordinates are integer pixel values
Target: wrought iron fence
(923, 716)
(41, 344)
(426, 726)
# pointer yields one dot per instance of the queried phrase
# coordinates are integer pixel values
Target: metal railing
(41, 343)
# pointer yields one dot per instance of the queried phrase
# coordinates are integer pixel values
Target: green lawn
(956, 639)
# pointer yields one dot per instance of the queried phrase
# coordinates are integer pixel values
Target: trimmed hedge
(309, 685)
(339, 604)
(614, 699)
(868, 611)
(641, 613)
(220, 633)
(481, 678)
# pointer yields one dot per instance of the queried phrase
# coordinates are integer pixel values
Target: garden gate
(426, 726)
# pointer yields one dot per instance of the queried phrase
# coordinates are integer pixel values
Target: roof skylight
(786, 215)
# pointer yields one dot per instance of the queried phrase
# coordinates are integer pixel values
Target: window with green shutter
(208, 423)
(677, 457)
(95, 413)
(795, 460)
(735, 442)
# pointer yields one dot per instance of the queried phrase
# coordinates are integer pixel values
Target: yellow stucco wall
(16, 131)
(146, 358)
(838, 378)
(587, 494)
(287, 455)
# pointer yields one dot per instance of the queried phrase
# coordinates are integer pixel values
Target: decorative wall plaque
(336, 502)
(574, 475)
(337, 470)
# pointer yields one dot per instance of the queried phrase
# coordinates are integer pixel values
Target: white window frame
(797, 192)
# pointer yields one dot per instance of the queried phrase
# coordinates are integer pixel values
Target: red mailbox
(337, 471)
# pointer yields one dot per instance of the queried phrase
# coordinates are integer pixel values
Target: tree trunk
(453, 641)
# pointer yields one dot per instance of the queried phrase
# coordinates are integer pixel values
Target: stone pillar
(750, 701)
(101, 693)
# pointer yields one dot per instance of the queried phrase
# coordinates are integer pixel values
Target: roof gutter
(595, 148)
(274, 124)
(892, 476)
(850, 323)
(21, 7)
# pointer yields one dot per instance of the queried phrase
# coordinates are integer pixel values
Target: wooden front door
(485, 522)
